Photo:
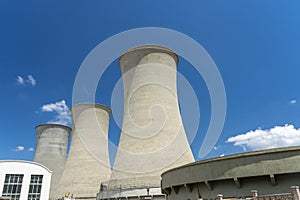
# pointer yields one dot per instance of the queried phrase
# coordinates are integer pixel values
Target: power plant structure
(154, 160)
(51, 150)
(153, 138)
(88, 161)
(273, 172)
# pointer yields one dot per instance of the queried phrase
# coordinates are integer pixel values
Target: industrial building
(152, 126)
(88, 161)
(154, 160)
(24, 180)
(51, 151)
(271, 171)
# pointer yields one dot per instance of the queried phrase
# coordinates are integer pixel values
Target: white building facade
(22, 180)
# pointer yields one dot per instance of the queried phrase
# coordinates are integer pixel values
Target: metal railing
(130, 183)
(294, 195)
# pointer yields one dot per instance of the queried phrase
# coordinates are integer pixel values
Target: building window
(35, 187)
(12, 186)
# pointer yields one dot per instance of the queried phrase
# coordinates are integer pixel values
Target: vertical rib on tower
(88, 160)
(51, 150)
(153, 138)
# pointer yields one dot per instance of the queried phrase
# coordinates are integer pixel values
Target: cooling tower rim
(93, 105)
(55, 125)
(149, 47)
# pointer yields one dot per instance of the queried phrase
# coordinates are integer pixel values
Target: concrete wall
(27, 169)
(88, 161)
(153, 138)
(51, 150)
(269, 171)
(132, 194)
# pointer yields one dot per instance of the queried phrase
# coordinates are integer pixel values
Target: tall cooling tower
(51, 150)
(88, 161)
(153, 138)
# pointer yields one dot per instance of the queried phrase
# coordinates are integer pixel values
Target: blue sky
(254, 43)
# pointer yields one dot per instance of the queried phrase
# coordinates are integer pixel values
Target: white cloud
(19, 148)
(293, 101)
(31, 80)
(222, 155)
(20, 80)
(215, 148)
(63, 114)
(278, 136)
(244, 148)
(31, 149)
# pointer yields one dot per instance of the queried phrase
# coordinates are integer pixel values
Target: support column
(254, 194)
(220, 197)
(295, 192)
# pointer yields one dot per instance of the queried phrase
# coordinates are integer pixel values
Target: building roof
(26, 162)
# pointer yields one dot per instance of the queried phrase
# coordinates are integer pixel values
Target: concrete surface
(88, 162)
(132, 194)
(153, 138)
(269, 171)
(51, 150)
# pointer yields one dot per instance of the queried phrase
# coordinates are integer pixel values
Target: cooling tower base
(132, 194)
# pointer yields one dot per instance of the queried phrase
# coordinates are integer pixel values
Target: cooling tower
(88, 161)
(51, 150)
(153, 138)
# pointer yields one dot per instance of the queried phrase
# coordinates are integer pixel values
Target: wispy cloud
(20, 80)
(22, 148)
(30, 80)
(19, 148)
(62, 111)
(278, 136)
(294, 101)
(31, 149)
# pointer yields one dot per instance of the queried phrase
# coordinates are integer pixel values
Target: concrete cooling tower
(51, 150)
(153, 138)
(88, 161)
